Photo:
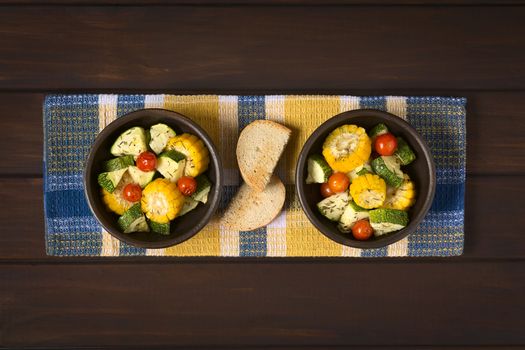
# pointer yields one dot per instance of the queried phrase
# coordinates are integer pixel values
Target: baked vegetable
(203, 189)
(189, 205)
(404, 153)
(318, 169)
(389, 169)
(110, 180)
(351, 215)
(197, 156)
(160, 134)
(377, 130)
(142, 178)
(115, 201)
(161, 201)
(346, 148)
(360, 170)
(402, 197)
(163, 229)
(118, 163)
(332, 207)
(133, 220)
(131, 142)
(171, 165)
(384, 221)
(368, 191)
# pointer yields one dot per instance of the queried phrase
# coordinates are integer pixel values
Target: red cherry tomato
(362, 230)
(338, 182)
(325, 190)
(187, 185)
(147, 161)
(385, 144)
(132, 192)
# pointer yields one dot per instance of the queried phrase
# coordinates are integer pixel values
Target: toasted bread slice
(251, 209)
(259, 148)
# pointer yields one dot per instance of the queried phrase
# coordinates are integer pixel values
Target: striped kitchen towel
(71, 123)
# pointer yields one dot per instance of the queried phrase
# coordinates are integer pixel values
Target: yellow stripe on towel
(204, 110)
(303, 114)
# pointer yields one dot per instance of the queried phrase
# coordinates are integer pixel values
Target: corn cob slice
(402, 197)
(114, 201)
(161, 201)
(368, 191)
(197, 156)
(346, 148)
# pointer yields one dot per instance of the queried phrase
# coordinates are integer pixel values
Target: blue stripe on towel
(250, 108)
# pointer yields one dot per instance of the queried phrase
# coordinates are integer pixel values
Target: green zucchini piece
(142, 178)
(131, 142)
(377, 130)
(160, 134)
(171, 165)
(163, 229)
(110, 180)
(133, 220)
(384, 221)
(360, 170)
(189, 205)
(350, 216)
(118, 163)
(318, 169)
(389, 169)
(203, 189)
(333, 207)
(404, 153)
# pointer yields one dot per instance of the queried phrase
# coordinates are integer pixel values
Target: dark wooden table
(471, 48)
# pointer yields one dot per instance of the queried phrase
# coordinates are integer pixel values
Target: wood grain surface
(470, 48)
(266, 304)
(262, 47)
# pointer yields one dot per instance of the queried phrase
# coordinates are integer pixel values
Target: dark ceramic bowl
(421, 171)
(181, 228)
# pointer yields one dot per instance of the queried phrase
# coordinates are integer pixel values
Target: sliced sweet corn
(346, 148)
(161, 201)
(401, 198)
(368, 191)
(197, 155)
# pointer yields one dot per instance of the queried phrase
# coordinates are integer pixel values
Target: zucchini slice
(360, 170)
(404, 153)
(131, 142)
(171, 165)
(377, 130)
(142, 178)
(118, 163)
(110, 180)
(133, 220)
(384, 221)
(160, 134)
(332, 207)
(203, 189)
(189, 205)
(389, 169)
(351, 215)
(318, 170)
(163, 229)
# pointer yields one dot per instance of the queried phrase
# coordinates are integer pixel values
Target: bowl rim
(214, 196)
(332, 123)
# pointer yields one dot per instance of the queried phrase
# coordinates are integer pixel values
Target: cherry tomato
(338, 182)
(362, 230)
(132, 192)
(187, 185)
(147, 161)
(325, 190)
(385, 144)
